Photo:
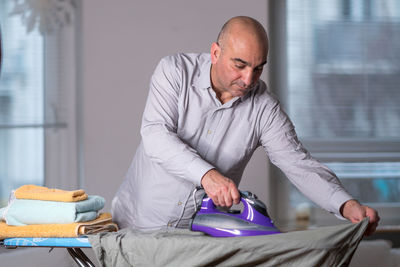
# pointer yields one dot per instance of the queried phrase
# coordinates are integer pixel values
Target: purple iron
(252, 220)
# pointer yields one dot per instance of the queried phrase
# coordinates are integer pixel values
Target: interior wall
(123, 41)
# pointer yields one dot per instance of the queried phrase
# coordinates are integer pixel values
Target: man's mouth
(245, 89)
(241, 86)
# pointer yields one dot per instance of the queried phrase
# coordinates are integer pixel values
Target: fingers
(224, 194)
(373, 220)
(220, 189)
(235, 196)
(232, 196)
(371, 229)
(372, 214)
(356, 212)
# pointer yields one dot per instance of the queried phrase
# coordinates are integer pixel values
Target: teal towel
(2, 210)
(27, 211)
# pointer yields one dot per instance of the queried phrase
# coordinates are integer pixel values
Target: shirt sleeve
(159, 125)
(312, 178)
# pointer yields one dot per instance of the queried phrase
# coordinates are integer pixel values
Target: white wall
(122, 43)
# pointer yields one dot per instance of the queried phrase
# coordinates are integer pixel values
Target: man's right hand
(220, 189)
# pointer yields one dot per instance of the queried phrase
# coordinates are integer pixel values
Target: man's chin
(242, 92)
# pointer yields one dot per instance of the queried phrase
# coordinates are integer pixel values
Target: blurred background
(75, 77)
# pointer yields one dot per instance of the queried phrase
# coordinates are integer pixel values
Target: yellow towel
(43, 193)
(102, 224)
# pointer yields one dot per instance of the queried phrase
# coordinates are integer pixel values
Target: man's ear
(215, 52)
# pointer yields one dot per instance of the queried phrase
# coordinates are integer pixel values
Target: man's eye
(240, 66)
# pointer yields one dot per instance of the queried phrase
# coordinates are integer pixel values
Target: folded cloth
(26, 211)
(102, 224)
(52, 194)
(2, 211)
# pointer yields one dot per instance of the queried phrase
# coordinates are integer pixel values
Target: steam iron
(251, 221)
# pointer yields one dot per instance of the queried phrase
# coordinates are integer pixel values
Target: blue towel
(27, 211)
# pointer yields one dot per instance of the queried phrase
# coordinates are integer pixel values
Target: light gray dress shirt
(186, 131)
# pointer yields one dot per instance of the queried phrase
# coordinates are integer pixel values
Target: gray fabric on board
(325, 246)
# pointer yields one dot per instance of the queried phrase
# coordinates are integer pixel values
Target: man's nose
(247, 77)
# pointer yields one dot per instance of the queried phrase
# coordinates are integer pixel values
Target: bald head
(238, 57)
(242, 27)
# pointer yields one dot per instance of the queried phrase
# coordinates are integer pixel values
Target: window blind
(344, 69)
(343, 76)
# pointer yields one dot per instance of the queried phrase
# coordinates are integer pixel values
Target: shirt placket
(212, 127)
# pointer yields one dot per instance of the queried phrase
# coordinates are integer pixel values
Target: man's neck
(223, 97)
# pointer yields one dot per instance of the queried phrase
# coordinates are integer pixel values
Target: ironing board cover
(67, 242)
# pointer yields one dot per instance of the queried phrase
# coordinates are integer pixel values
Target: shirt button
(209, 132)
(170, 224)
(179, 203)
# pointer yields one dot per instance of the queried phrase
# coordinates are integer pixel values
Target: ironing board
(72, 244)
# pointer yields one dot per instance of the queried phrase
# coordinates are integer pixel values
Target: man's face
(237, 66)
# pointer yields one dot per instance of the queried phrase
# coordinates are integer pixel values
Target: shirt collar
(203, 80)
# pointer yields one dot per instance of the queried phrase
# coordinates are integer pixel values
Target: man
(204, 117)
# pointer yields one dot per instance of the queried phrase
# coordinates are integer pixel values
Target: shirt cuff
(196, 170)
(337, 200)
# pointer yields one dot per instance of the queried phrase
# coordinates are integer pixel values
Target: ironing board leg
(79, 257)
(84, 257)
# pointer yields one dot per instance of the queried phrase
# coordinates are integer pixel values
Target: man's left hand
(355, 212)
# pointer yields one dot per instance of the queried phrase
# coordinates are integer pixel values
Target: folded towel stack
(40, 211)
(102, 224)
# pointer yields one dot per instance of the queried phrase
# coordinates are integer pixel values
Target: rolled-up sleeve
(312, 178)
(159, 125)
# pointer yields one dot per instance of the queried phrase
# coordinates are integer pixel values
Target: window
(341, 81)
(37, 106)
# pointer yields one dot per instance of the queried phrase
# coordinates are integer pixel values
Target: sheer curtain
(37, 104)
